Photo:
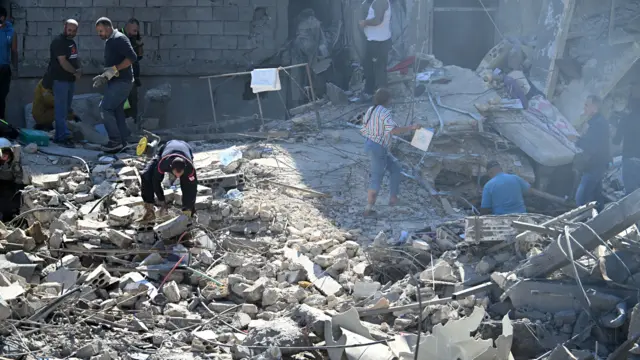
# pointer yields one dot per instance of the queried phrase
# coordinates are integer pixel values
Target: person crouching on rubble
(176, 157)
(504, 193)
(593, 162)
(377, 127)
(42, 110)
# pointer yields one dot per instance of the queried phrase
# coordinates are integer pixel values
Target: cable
(491, 18)
(35, 210)
(69, 156)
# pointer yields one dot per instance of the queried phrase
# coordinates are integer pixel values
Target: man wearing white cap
(64, 69)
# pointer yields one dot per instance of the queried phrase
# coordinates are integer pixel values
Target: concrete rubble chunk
(280, 332)
(171, 292)
(121, 216)
(99, 277)
(19, 238)
(119, 238)
(173, 227)
(103, 189)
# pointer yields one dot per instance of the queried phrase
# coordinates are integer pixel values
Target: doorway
(462, 31)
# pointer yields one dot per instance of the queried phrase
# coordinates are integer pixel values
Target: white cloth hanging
(265, 80)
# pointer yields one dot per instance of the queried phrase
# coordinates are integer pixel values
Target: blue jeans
(62, 97)
(381, 162)
(631, 174)
(590, 188)
(112, 108)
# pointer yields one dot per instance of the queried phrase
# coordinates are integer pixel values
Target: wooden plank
(551, 39)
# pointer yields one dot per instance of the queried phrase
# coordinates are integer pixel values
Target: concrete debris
(277, 258)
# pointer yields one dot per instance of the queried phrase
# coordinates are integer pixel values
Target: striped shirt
(377, 125)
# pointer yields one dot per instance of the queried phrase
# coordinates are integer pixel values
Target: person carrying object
(175, 156)
(377, 128)
(118, 76)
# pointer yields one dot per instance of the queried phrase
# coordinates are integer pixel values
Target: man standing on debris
(377, 127)
(377, 29)
(595, 157)
(8, 57)
(176, 157)
(132, 30)
(628, 133)
(64, 70)
(118, 76)
(504, 193)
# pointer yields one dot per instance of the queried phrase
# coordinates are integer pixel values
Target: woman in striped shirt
(377, 127)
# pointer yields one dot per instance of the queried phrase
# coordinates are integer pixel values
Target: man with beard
(118, 76)
(64, 70)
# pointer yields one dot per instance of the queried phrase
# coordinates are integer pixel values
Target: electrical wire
(68, 156)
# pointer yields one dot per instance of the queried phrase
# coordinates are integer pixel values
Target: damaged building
(278, 262)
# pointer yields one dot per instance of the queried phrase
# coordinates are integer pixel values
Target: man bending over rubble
(177, 157)
(504, 193)
(377, 127)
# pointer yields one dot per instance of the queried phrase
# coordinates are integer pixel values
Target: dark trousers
(5, 85)
(146, 184)
(375, 65)
(133, 102)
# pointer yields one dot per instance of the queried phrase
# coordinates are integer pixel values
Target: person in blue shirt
(504, 193)
(8, 57)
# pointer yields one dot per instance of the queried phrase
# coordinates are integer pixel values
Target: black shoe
(68, 143)
(112, 147)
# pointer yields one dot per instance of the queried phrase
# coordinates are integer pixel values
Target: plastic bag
(229, 155)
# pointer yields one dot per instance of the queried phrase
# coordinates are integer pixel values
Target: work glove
(99, 81)
(164, 209)
(187, 212)
(110, 72)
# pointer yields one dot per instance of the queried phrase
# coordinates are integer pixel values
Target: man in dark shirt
(175, 156)
(595, 153)
(118, 76)
(628, 133)
(8, 57)
(132, 30)
(64, 70)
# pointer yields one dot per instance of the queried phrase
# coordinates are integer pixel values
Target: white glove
(99, 80)
(110, 73)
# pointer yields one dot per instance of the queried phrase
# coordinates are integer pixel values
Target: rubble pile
(270, 269)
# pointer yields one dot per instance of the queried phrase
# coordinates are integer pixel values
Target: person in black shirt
(628, 133)
(118, 76)
(595, 154)
(64, 70)
(132, 30)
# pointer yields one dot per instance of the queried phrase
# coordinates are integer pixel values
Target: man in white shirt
(377, 28)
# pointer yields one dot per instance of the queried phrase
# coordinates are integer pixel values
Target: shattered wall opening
(462, 31)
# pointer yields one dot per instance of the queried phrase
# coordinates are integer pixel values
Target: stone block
(172, 227)
(47, 28)
(107, 3)
(273, 3)
(172, 41)
(181, 56)
(39, 14)
(165, 27)
(224, 42)
(210, 2)
(135, 3)
(198, 42)
(238, 2)
(62, 14)
(208, 55)
(225, 13)
(92, 14)
(210, 27)
(52, 3)
(173, 13)
(147, 14)
(199, 13)
(246, 43)
(184, 27)
(237, 28)
(151, 43)
(245, 13)
(99, 277)
(234, 56)
(172, 2)
(79, 3)
(120, 13)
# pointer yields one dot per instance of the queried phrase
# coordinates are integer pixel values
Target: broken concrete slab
(172, 227)
(613, 220)
(324, 283)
